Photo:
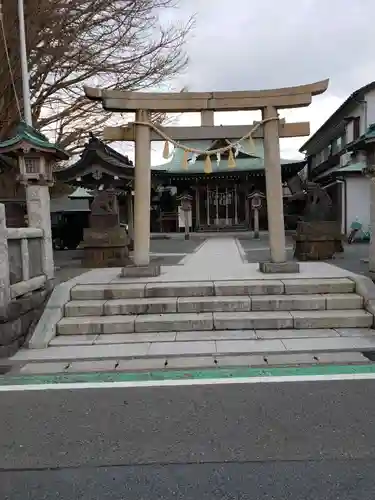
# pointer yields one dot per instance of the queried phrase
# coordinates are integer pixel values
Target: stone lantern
(185, 205)
(256, 200)
(36, 157)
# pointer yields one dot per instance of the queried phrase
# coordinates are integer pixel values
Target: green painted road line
(212, 374)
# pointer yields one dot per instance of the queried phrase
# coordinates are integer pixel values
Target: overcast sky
(260, 44)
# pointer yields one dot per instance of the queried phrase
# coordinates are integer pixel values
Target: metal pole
(24, 68)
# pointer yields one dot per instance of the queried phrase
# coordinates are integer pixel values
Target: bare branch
(119, 44)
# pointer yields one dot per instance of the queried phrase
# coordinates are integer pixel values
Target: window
(356, 128)
(342, 140)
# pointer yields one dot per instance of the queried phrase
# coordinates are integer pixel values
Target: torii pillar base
(132, 271)
(289, 267)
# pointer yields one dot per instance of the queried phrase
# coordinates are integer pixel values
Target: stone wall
(24, 283)
(19, 318)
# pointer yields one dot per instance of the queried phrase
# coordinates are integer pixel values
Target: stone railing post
(4, 263)
(39, 215)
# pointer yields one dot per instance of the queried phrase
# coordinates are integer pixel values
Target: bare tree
(119, 44)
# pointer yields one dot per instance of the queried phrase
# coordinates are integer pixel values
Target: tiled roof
(246, 162)
(25, 133)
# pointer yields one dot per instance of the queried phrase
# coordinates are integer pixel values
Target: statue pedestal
(317, 240)
(105, 248)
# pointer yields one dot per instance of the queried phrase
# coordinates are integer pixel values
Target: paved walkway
(213, 254)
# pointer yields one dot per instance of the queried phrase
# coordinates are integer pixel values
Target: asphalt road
(292, 441)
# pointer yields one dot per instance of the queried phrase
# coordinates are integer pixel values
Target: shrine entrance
(220, 204)
(219, 207)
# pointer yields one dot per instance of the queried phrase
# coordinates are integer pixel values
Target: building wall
(357, 201)
(331, 142)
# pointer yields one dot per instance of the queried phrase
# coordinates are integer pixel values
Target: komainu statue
(318, 234)
(105, 242)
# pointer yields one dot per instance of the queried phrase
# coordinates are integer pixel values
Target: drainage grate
(370, 355)
(5, 369)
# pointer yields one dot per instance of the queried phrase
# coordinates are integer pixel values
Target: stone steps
(164, 305)
(195, 336)
(262, 320)
(217, 349)
(213, 288)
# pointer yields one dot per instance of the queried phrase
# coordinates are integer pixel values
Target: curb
(45, 329)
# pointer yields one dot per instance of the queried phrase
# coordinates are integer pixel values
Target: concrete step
(191, 362)
(194, 336)
(163, 305)
(182, 349)
(171, 322)
(212, 288)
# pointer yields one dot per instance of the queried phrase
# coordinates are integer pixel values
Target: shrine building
(221, 199)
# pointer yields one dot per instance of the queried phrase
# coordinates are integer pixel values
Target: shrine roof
(25, 133)
(245, 161)
(97, 154)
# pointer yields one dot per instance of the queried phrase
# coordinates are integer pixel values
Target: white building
(335, 161)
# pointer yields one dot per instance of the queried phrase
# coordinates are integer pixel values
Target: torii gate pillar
(275, 208)
(142, 191)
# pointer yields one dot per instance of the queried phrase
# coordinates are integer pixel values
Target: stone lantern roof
(26, 136)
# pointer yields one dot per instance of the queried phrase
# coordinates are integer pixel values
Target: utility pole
(24, 66)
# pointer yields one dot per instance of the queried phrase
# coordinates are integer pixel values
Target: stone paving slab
(212, 304)
(150, 305)
(173, 322)
(44, 368)
(290, 359)
(70, 353)
(253, 320)
(191, 362)
(215, 335)
(182, 348)
(356, 332)
(186, 289)
(95, 325)
(249, 346)
(328, 344)
(141, 364)
(85, 308)
(344, 358)
(344, 301)
(248, 287)
(104, 292)
(285, 334)
(118, 338)
(61, 340)
(226, 361)
(318, 285)
(288, 302)
(108, 365)
(331, 319)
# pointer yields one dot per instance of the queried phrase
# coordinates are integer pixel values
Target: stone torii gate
(271, 129)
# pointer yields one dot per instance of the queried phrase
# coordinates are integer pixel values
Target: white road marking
(173, 383)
